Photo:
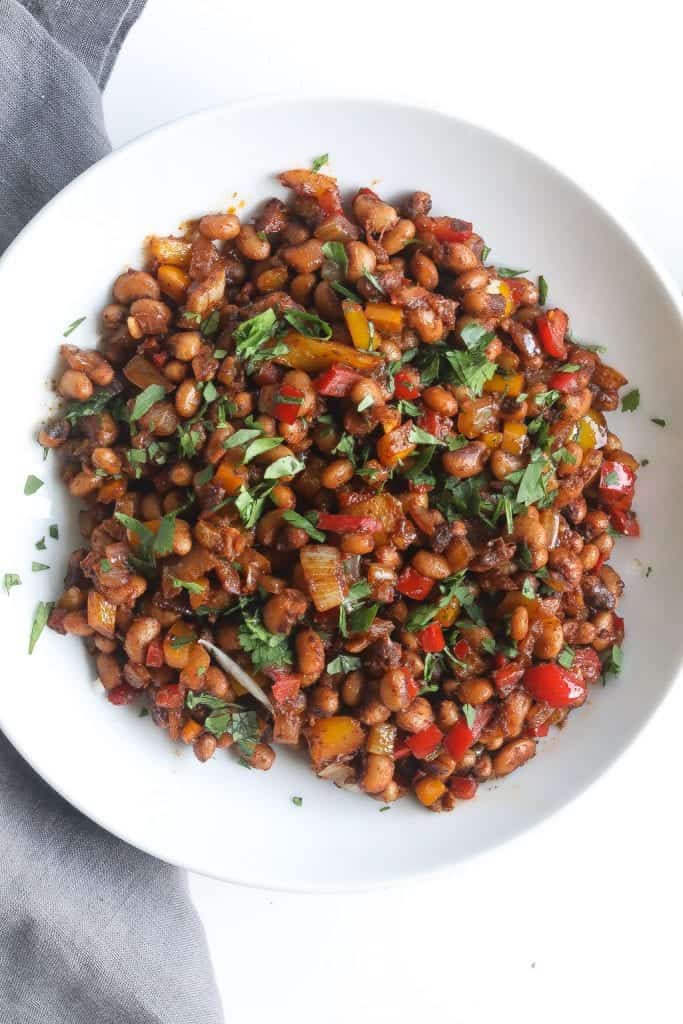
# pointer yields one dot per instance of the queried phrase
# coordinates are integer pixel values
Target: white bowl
(218, 818)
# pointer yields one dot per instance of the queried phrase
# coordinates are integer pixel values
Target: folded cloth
(91, 930)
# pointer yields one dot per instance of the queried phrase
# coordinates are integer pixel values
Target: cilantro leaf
(319, 162)
(470, 714)
(9, 580)
(288, 465)
(419, 436)
(304, 524)
(33, 484)
(145, 400)
(41, 615)
(263, 647)
(509, 272)
(336, 252)
(472, 368)
(308, 324)
(73, 325)
(542, 291)
(343, 663)
(631, 401)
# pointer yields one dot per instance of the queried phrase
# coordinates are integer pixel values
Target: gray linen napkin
(91, 930)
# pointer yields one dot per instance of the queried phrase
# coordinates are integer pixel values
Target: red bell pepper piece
(505, 679)
(463, 787)
(170, 696)
(462, 649)
(499, 659)
(122, 694)
(155, 654)
(348, 523)
(434, 424)
(616, 485)
(625, 522)
(367, 192)
(405, 386)
(552, 328)
(425, 742)
(555, 685)
(414, 584)
(461, 736)
(412, 688)
(431, 638)
(450, 229)
(517, 288)
(401, 751)
(336, 382)
(287, 403)
(539, 730)
(566, 382)
(286, 685)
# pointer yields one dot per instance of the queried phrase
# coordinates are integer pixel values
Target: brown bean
(323, 701)
(76, 385)
(398, 237)
(310, 653)
(219, 226)
(440, 400)
(475, 691)
(282, 611)
(513, 755)
(361, 261)
(503, 463)
(431, 565)
(301, 287)
(151, 316)
(352, 689)
(327, 302)
(337, 473)
(424, 270)
(251, 245)
(467, 461)
(519, 623)
(262, 757)
(108, 670)
(416, 717)
(457, 258)
(378, 773)
(133, 285)
(204, 747)
(139, 635)
(305, 258)
(394, 689)
(427, 323)
(551, 640)
(513, 712)
(185, 345)
(357, 543)
(188, 398)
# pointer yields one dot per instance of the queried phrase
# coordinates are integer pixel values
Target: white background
(579, 919)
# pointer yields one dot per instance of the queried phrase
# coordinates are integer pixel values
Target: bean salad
(346, 485)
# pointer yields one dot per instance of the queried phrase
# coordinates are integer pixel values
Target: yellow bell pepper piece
(591, 430)
(313, 355)
(513, 438)
(387, 319)
(358, 325)
(506, 385)
(492, 438)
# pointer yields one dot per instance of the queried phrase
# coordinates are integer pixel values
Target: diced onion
(322, 566)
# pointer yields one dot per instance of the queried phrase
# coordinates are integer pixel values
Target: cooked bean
(379, 771)
(305, 258)
(151, 316)
(513, 755)
(188, 398)
(139, 636)
(133, 285)
(76, 385)
(251, 245)
(280, 613)
(467, 461)
(416, 717)
(310, 653)
(431, 565)
(220, 226)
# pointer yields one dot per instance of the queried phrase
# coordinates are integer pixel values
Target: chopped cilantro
(319, 161)
(343, 663)
(33, 484)
(631, 401)
(9, 580)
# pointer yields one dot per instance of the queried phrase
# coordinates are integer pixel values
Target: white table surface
(580, 917)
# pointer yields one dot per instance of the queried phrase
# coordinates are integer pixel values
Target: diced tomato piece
(434, 424)
(286, 685)
(625, 522)
(566, 382)
(405, 386)
(170, 696)
(431, 638)
(450, 229)
(505, 679)
(414, 584)
(401, 751)
(424, 743)
(462, 649)
(463, 787)
(288, 403)
(618, 625)
(336, 382)
(155, 654)
(122, 694)
(539, 730)
(348, 523)
(616, 485)
(412, 688)
(552, 328)
(459, 739)
(555, 685)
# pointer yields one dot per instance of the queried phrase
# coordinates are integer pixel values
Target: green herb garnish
(9, 580)
(42, 614)
(73, 325)
(33, 484)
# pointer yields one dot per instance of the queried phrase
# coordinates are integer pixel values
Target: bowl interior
(219, 818)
